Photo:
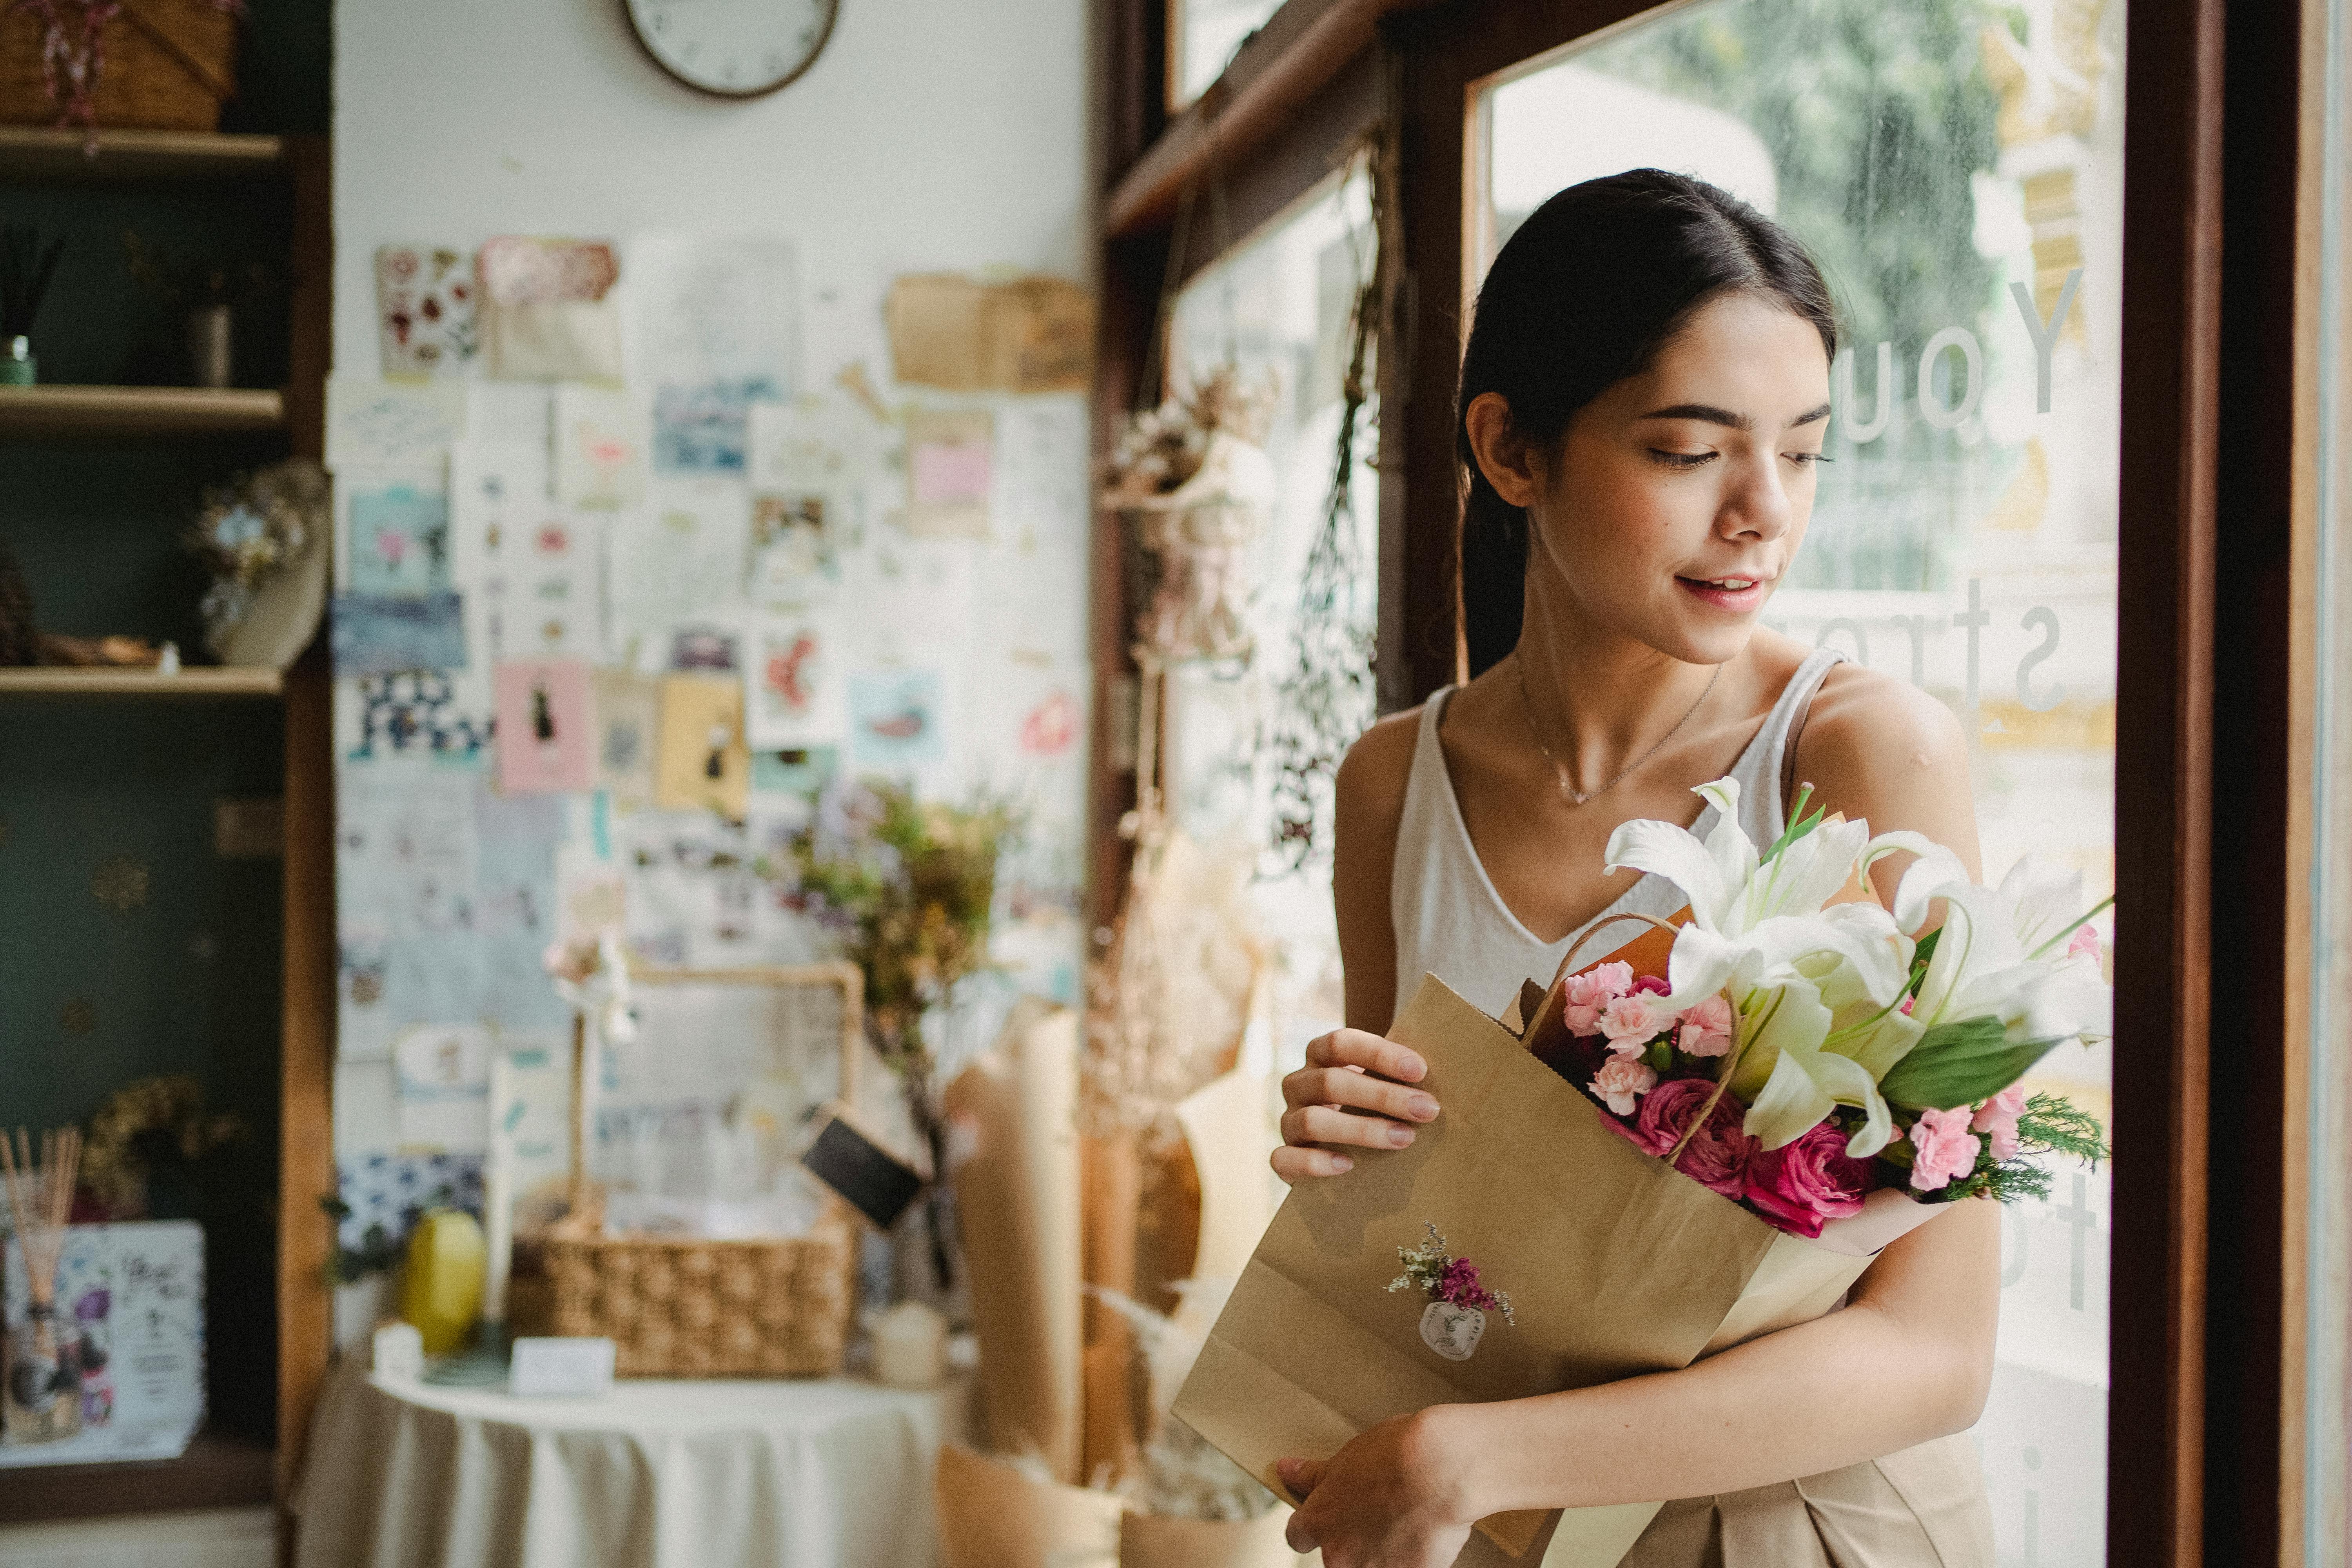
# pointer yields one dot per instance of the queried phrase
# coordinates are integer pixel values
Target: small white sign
(551, 1367)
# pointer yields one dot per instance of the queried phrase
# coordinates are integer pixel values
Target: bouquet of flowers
(1807, 1046)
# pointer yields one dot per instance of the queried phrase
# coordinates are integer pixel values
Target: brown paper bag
(1615, 1264)
(990, 1515)
(1017, 1200)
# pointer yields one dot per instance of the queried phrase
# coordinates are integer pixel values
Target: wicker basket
(696, 1308)
(162, 65)
(693, 1307)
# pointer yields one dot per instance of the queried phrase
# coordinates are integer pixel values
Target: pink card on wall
(546, 733)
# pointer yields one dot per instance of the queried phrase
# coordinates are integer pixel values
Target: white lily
(1994, 957)
(1815, 987)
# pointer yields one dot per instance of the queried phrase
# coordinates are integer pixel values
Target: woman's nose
(1757, 505)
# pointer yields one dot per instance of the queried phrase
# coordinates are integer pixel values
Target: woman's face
(1671, 508)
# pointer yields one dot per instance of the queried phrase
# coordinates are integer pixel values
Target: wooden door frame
(2204, 756)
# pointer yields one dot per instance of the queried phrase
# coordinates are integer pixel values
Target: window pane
(1201, 37)
(1941, 158)
(1278, 308)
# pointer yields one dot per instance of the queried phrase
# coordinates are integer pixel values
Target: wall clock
(732, 48)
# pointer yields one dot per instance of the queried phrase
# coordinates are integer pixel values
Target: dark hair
(1584, 294)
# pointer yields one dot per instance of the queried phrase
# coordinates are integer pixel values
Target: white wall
(928, 136)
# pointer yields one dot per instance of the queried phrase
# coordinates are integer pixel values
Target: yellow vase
(441, 1292)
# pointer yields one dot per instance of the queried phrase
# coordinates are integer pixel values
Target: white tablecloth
(656, 1474)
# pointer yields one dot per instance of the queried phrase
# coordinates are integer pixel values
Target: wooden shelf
(218, 1471)
(28, 153)
(137, 410)
(195, 681)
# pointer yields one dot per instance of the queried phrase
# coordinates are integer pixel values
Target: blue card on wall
(399, 541)
(896, 719)
(376, 634)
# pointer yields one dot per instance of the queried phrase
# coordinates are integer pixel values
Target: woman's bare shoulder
(1862, 717)
(1374, 773)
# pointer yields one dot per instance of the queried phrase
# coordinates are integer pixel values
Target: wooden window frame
(2201, 1458)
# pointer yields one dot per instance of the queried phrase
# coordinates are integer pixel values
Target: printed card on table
(950, 460)
(704, 762)
(897, 718)
(546, 734)
(425, 308)
(795, 682)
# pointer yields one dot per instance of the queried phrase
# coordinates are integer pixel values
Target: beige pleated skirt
(1923, 1508)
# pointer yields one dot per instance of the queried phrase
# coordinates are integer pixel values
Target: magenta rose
(1800, 1185)
(1717, 1154)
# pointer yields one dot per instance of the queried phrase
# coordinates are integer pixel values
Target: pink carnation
(2085, 942)
(1650, 984)
(1804, 1184)
(1996, 1119)
(1706, 1028)
(1633, 1022)
(1591, 991)
(1944, 1148)
(1717, 1154)
(1621, 1081)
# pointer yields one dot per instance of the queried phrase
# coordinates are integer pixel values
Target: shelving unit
(47, 155)
(219, 1471)
(225, 1467)
(138, 410)
(192, 681)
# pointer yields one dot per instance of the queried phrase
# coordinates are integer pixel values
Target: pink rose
(1591, 991)
(1997, 1117)
(2085, 942)
(1717, 1154)
(1943, 1148)
(1621, 1081)
(1800, 1185)
(1706, 1028)
(1633, 1022)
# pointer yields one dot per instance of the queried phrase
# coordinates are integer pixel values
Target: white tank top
(1451, 922)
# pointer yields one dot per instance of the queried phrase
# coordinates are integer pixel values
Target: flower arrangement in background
(1807, 1045)
(252, 530)
(591, 974)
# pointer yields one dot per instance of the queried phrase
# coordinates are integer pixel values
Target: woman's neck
(1596, 700)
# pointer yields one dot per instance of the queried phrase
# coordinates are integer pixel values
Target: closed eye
(1807, 459)
(1679, 459)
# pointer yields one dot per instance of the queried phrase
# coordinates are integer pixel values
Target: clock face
(734, 49)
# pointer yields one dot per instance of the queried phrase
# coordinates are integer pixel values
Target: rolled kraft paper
(993, 1516)
(1230, 1127)
(1155, 1541)
(1018, 1199)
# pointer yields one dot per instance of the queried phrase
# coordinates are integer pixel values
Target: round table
(833, 1474)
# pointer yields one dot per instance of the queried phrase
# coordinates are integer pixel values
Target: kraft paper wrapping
(990, 1515)
(1230, 1127)
(1615, 1264)
(1018, 1198)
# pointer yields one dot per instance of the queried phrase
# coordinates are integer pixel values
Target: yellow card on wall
(704, 760)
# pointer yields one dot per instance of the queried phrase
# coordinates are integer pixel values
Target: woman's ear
(1505, 460)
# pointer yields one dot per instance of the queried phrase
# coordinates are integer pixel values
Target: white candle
(910, 1343)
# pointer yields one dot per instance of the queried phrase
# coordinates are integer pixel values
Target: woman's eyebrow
(1809, 417)
(1705, 413)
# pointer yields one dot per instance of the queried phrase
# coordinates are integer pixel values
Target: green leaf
(1799, 823)
(1959, 1063)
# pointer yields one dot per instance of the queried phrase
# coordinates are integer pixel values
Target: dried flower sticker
(1459, 1299)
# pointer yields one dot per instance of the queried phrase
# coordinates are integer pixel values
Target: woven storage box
(162, 65)
(693, 1307)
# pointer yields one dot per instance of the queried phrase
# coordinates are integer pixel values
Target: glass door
(1957, 168)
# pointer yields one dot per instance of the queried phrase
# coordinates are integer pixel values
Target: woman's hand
(1395, 1497)
(1355, 1089)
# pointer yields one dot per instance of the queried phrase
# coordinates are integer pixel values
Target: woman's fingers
(1296, 1166)
(1366, 1052)
(1302, 1477)
(1324, 1124)
(1359, 1091)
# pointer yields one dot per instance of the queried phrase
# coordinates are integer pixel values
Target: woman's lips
(1725, 594)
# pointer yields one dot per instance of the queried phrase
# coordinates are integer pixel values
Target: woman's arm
(1355, 1089)
(1907, 1361)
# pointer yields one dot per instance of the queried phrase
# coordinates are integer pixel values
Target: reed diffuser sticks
(42, 1402)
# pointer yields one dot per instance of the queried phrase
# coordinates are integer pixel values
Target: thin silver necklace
(1568, 792)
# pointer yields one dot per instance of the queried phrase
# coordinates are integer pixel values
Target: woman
(1642, 405)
